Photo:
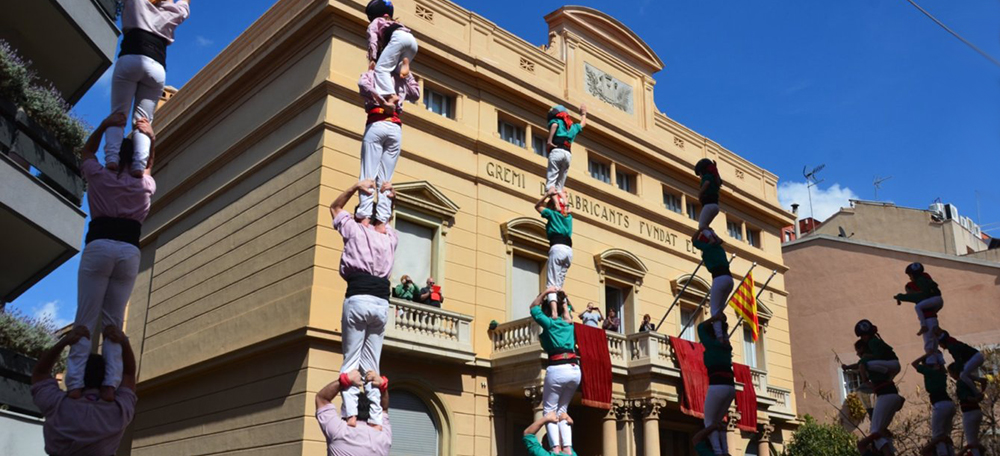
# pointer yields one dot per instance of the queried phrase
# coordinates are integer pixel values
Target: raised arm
(366, 87)
(552, 134)
(94, 141)
(540, 205)
(389, 192)
(382, 384)
(115, 334)
(43, 368)
(583, 115)
(917, 362)
(537, 425)
(367, 186)
(325, 396)
(145, 128)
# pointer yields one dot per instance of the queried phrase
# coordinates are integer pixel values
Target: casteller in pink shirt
(117, 195)
(87, 426)
(362, 440)
(160, 19)
(365, 250)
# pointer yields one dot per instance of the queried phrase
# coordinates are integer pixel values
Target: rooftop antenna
(810, 183)
(877, 182)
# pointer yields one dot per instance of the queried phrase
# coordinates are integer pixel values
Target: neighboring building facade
(833, 282)
(236, 311)
(940, 229)
(70, 43)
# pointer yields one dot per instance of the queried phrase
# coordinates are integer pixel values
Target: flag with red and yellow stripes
(745, 303)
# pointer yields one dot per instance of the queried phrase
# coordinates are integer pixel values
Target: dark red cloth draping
(746, 400)
(693, 374)
(595, 366)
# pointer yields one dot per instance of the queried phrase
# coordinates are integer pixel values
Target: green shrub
(814, 439)
(39, 99)
(27, 336)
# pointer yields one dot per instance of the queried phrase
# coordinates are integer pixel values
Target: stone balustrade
(429, 331)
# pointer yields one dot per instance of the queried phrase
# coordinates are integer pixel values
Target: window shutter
(414, 430)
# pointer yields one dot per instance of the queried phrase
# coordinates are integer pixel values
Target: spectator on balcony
(592, 316)
(109, 264)
(612, 323)
(342, 439)
(406, 290)
(365, 264)
(647, 325)
(431, 294)
(88, 425)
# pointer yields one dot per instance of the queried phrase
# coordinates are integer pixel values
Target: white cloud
(202, 41)
(825, 201)
(50, 311)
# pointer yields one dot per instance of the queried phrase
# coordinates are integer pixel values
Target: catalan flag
(745, 303)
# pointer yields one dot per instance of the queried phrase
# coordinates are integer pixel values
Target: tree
(27, 336)
(814, 439)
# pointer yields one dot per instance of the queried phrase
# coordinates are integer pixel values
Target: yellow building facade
(236, 312)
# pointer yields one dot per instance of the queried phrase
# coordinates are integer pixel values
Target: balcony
(69, 42)
(518, 360)
(427, 331)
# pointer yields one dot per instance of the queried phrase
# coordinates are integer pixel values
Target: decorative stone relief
(607, 88)
(527, 65)
(739, 174)
(678, 142)
(425, 13)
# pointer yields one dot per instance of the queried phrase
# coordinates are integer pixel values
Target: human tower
(101, 387)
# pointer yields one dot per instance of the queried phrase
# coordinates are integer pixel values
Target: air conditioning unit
(950, 212)
(937, 209)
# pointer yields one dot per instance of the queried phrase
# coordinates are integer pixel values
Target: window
(692, 210)
(414, 252)
(625, 180)
(614, 298)
(527, 282)
(788, 236)
(671, 201)
(735, 230)
(750, 349)
(415, 430)
(753, 237)
(600, 171)
(851, 381)
(538, 144)
(510, 132)
(688, 315)
(439, 103)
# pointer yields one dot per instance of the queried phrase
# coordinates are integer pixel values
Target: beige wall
(833, 283)
(239, 286)
(885, 223)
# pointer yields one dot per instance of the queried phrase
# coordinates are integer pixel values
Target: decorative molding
(699, 286)
(424, 197)
(527, 65)
(526, 231)
(678, 142)
(649, 408)
(425, 13)
(607, 88)
(621, 263)
(533, 394)
(739, 174)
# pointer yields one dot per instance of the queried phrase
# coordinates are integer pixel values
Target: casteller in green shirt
(557, 224)
(564, 136)
(935, 382)
(557, 334)
(535, 448)
(713, 255)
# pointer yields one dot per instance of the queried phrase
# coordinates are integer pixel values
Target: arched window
(621, 272)
(527, 252)
(415, 428)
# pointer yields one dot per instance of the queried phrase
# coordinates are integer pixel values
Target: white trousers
(560, 385)
(136, 85)
(722, 287)
(379, 152)
(104, 284)
(970, 423)
(559, 160)
(942, 416)
(971, 371)
(560, 259)
(889, 367)
(708, 213)
(717, 402)
(402, 44)
(931, 341)
(886, 407)
(362, 331)
(931, 303)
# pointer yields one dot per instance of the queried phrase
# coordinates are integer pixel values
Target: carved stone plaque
(607, 88)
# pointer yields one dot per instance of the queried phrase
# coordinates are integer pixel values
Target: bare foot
(108, 393)
(551, 417)
(352, 421)
(565, 417)
(404, 68)
(136, 173)
(923, 330)
(75, 393)
(111, 166)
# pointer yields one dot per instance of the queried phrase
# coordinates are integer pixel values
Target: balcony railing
(634, 353)
(429, 331)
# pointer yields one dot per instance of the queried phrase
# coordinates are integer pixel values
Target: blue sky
(867, 87)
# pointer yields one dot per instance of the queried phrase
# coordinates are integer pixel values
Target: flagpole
(705, 298)
(678, 298)
(761, 290)
(691, 320)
